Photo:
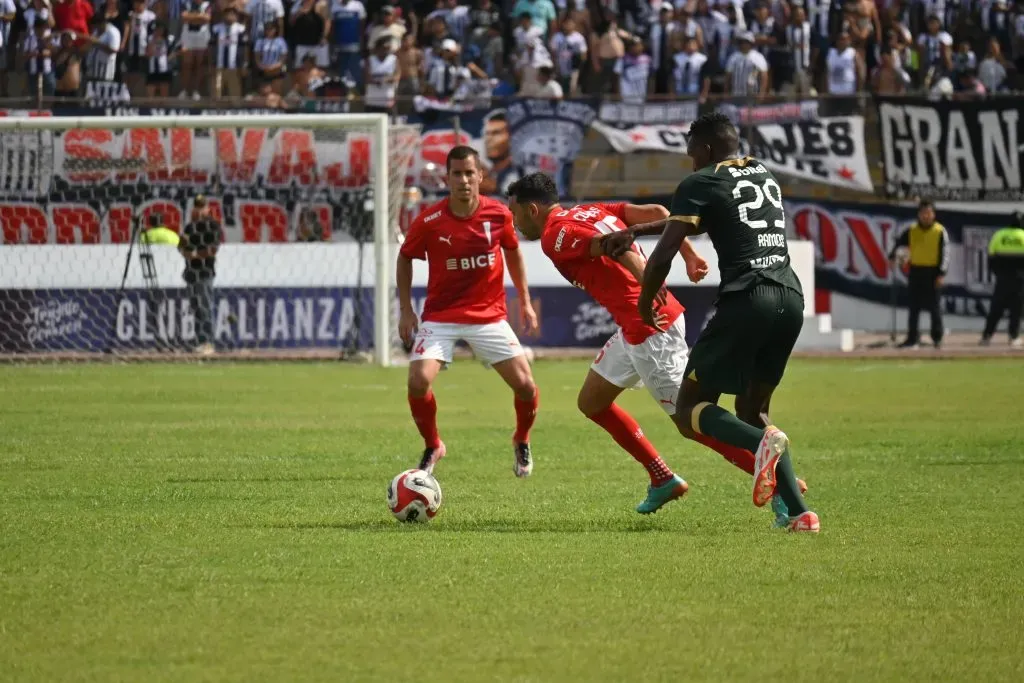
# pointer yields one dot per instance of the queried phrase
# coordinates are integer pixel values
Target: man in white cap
(747, 70)
(446, 74)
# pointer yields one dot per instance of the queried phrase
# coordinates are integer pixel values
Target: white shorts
(491, 343)
(321, 52)
(659, 362)
(195, 40)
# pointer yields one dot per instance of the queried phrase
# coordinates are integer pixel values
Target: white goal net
(263, 234)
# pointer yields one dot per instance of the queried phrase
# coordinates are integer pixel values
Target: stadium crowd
(276, 50)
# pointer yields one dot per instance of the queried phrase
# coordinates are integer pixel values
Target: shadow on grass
(490, 526)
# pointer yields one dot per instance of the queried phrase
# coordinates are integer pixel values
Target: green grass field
(228, 523)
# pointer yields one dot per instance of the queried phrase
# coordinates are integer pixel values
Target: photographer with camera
(200, 241)
(1006, 262)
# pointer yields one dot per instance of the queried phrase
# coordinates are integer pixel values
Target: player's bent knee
(683, 421)
(418, 383)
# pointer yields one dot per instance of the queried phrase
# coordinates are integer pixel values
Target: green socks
(720, 424)
(787, 488)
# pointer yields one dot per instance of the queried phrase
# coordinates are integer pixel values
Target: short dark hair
(459, 153)
(926, 203)
(536, 187)
(716, 130)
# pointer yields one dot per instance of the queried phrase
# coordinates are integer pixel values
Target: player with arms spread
(745, 348)
(462, 239)
(638, 351)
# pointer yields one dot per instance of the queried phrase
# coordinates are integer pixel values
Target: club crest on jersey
(471, 262)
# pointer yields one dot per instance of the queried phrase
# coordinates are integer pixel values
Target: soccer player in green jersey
(744, 349)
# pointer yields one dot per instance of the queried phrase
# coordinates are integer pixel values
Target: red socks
(424, 414)
(526, 413)
(740, 457)
(627, 433)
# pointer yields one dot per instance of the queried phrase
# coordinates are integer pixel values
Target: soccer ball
(414, 496)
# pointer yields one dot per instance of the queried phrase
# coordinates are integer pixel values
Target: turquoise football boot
(658, 496)
(781, 512)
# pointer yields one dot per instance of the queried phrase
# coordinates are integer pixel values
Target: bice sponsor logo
(471, 262)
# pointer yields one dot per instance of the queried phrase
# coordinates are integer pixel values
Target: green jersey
(738, 203)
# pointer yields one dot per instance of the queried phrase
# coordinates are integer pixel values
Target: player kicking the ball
(745, 348)
(462, 239)
(572, 238)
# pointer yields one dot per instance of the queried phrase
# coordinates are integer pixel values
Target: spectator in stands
(660, 36)
(845, 67)
(964, 58)
(388, 27)
(138, 27)
(542, 11)
(691, 76)
(993, 69)
(382, 76)
(446, 74)
(261, 13)
(529, 60)
(270, 55)
(8, 14)
(934, 47)
(67, 66)
(158, 61)
(73, 15)
(310, 28)
(200, 241)
(491, 50)
(968, 86)
(306, 79)
(486, 15)
(195, 42)
(747, 70)
(230, 41)
(634, 72)
(688, 26)
(410, 67)
(105, 42)
(348, 18)
(569, 53)
(38, 47)
(796, 54)
(548, 87)
(607, 48)
(888, 78)
(456, 18)
(526, 32)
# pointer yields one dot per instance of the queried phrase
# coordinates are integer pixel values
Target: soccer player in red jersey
(571, 238)
(462, 239)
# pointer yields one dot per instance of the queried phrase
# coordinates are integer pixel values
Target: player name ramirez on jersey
(566, 241)
(739, 203)
(466, 271)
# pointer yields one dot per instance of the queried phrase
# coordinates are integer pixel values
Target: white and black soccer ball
(414, 496)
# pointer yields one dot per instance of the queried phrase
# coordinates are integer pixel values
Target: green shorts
(749, 339)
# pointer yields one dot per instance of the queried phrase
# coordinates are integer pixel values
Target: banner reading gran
(962, 150)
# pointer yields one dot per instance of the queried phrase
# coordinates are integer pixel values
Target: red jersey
(466, 280)
(566, 241)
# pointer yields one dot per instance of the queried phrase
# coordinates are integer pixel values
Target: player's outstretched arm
(660, 263)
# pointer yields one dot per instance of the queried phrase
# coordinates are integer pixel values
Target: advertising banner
(827, 150)
(81, 320)
(958, 150)
(853, 241)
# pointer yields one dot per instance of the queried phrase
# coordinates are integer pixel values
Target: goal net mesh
(274, 226)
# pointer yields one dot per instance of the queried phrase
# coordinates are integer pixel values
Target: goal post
(300, 200)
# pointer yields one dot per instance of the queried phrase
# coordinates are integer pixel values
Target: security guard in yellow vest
(1006, 261)
(158, 233)
(928, 247)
